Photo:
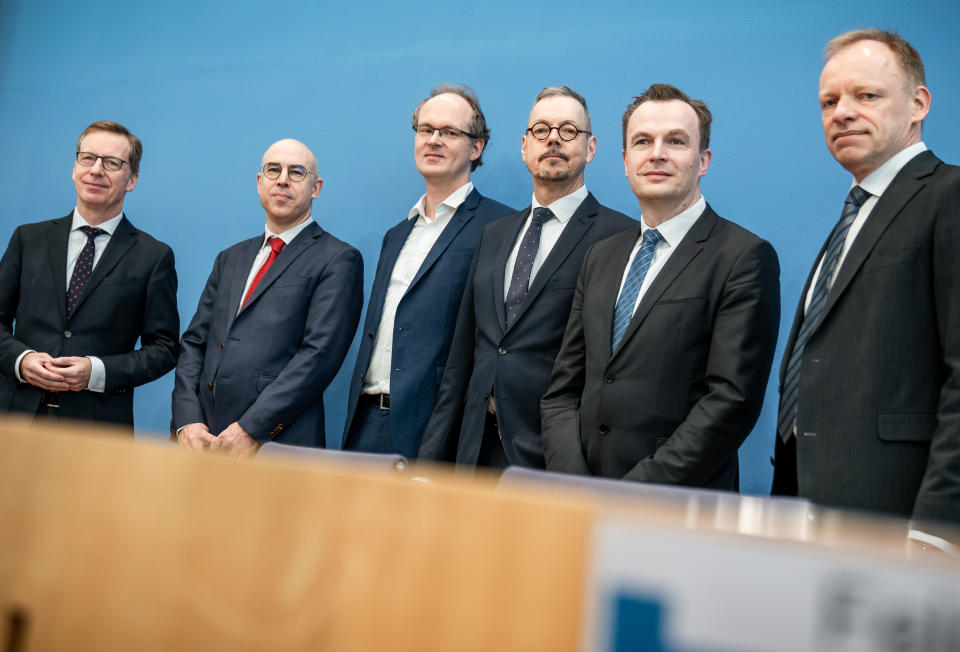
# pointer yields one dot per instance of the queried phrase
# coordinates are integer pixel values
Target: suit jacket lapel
(688, 249)
(580, 222)
(290, 253)
(457, 222)
(391, 252)
(610, 279)
(57, 250)
(123, 239)
(904, 186)
(500, 269)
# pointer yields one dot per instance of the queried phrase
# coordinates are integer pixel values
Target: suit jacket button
(370, 335)
(603, 429)
(221, 346)
(67, 334)
(209, 385)
(609, 378)
(502, 351)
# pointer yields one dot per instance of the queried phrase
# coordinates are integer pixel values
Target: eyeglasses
(111, 163)
(567, 131)
(295, 173)
(446, 133)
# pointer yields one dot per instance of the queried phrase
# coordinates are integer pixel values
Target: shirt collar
(109, 226)
(288, 235)
(450, 204)
(564, 208)
(877, 181)
(674, 229)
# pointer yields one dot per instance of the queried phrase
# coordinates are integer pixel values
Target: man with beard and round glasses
(518, 295)
(273, 324)
(422, 269)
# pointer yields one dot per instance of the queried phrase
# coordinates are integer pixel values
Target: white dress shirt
(876, 184)
(562, 209)
(265, 249)
(419, 242)
(75, 244)
(673, 231)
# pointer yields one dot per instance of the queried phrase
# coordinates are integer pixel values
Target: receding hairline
(311, 158)
(583, 110)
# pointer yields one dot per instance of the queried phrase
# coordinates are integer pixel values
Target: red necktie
(276, 245)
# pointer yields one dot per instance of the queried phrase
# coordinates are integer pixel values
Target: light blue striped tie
(631, 287)
(821, 289)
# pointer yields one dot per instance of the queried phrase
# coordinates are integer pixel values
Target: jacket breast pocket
(882, 259)
(906, 426)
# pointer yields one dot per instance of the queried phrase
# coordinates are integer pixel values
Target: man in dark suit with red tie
(273, 324)
(76, 293)
(870, 381)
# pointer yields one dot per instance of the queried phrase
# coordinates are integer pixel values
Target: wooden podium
(107, 544)
(111, 544)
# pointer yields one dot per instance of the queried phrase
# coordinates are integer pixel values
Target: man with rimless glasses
(422, 269)
(518, 295)
(273, 324)
(76, 293)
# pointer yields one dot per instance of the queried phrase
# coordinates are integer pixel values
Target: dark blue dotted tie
(81, 271)
(821, 289)
(623, 313)
(520, 281)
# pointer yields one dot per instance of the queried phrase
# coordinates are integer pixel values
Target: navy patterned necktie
(623, 313)
(821, 289)
(83, 268)
(523, 266)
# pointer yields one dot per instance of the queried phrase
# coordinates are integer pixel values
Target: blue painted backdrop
(208, 87)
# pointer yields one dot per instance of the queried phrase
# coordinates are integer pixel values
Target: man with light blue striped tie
(666, 355)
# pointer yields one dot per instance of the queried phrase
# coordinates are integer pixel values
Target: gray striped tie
(828, 269)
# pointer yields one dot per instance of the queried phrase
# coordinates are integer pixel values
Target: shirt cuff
(16, 365)
(98, 374)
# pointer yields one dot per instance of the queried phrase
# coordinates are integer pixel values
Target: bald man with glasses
(273, 324)
(76, 293)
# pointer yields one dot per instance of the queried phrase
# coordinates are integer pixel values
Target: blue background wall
(208, 87)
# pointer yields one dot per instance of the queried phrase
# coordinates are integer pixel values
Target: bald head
(291, 147)
(288, 183)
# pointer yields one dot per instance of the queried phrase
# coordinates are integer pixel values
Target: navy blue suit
(424, 323)
(131, 295)
(267, 367)
(512, 363)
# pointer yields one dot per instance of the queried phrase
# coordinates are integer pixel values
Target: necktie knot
(276, 244)
(651, 238)
(91, 231)
(857, 196)
(541, 215)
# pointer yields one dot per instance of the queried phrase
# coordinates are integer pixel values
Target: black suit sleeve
(440, 437)
(742, 345)
(10, 271)
(560, 406)
(939, 495)
(159, 331)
